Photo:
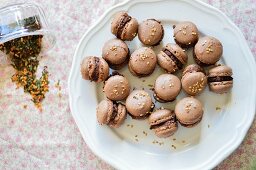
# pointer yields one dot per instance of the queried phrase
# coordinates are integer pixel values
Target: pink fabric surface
(51, 140)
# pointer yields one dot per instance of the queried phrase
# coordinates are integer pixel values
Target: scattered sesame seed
(218, 108)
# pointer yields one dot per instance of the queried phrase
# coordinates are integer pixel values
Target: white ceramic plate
(134, 146)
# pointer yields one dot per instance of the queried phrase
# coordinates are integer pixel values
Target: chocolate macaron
(172, 58)
(151, 32)
(193, 80)
(111, 113)
(116, 53)
(124, 26)
(220, 79)
(116, 87)
(207, 51)
(189, 111)
(167, 87)
(139, 104)
(142, 62)
(163, 122)
(94, 69)
(185, 34)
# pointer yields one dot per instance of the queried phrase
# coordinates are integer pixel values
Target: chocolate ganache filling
(173, 58)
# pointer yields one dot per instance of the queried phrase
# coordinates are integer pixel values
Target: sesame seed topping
(171, 85)
(113, 48)
(194, 33)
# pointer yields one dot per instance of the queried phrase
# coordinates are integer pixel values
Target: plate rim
(239, 137)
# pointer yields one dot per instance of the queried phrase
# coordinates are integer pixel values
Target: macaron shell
(117, 88)
(160, 116)
(138, 103)
(85, 68)
(192, 68)
(103, 70)
(104, 111)
(167, 87)
(190, 125)
(116, 20)
(208, 50)
(167, 130)
(143, 61)
(130, 30)
(150, 32)
(189, 110)
(221, 87)
(178, 52)
(120, 117)
(194, 83)
(186, 33)
(166, 63)
(115, 51)
(220, 71)
(120, 66)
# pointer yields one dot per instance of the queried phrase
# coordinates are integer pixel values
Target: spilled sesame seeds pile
(23, 53)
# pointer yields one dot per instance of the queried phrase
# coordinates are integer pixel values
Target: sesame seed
(113, 48)
(218, 108)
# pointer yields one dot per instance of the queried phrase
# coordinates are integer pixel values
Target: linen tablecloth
(30, 139)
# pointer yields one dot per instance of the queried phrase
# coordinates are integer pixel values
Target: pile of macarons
(121, 100)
